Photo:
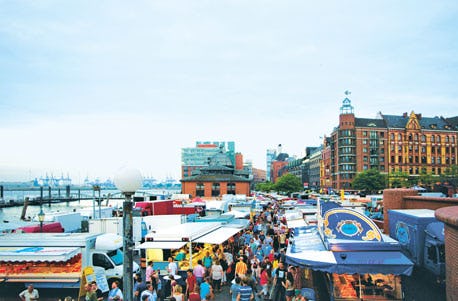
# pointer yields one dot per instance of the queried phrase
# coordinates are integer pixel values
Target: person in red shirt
(190, 282)
(194, 295)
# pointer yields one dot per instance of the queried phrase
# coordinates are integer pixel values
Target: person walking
(149, 294)
(139, 287)
(199, 272)
(217, 276)
(191, 282)
(241, 268)
(90, 294)
(29, 294)
(97, 290)
(245, 292)
(235, 287)
(278, 293)
(115, 294)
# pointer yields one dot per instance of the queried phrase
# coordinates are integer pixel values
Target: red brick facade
(191, 188)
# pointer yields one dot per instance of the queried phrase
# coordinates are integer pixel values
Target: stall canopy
(307, 249)
(347, 243)
(218, 236)
(174, 245)
(384, 262)
(51, 254)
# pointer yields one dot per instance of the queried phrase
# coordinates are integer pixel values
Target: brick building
(218, 178)
(408, 143)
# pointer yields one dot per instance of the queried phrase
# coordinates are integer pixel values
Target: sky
(87, 87)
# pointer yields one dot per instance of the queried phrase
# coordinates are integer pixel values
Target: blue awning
(307, 250)
(352, 262)
(372, 262)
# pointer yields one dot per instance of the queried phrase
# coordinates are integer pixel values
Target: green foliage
(288, 183)
(266, 186)
(370, 181)
(427, 179)
(398, 180)
(450, 176)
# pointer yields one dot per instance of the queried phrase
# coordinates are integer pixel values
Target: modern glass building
(195, 158)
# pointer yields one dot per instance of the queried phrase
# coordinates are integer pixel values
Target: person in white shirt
(30, 294)
(172, 268)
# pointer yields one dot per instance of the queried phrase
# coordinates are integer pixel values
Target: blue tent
(348, 243)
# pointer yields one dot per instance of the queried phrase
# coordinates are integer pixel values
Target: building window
(399, 159)
(438, 138)
(446, 139)
(200, 189)
(215, 189)
(399, 137)
(392, 159)
(364, 149)
(423, 138)
(364, 133)
(365, 158)
(364, 141)
(432, 138)
(433, 159)
(423, 149)
(391, 136)
(230, 188)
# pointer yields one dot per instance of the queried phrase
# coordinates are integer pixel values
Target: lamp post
(128, 180)
(41, 219)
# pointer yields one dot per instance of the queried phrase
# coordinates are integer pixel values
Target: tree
(450, 176)
(427, 179)
(288, 184)
(398, 179)
(370, 181)
(265, 186)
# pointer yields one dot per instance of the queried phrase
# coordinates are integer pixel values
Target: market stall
(356, 259)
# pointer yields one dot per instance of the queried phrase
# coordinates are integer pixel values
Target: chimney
(279, 150)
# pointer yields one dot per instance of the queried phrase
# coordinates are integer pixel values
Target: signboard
(96, 274)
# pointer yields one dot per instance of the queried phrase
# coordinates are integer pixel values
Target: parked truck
(421, 236)
(115, 225)
(56, 260)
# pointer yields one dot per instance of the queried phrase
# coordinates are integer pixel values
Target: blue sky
(89, 86)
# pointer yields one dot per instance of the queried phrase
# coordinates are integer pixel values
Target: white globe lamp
(128, 180)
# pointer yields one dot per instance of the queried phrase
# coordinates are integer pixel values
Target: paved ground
(417, 288)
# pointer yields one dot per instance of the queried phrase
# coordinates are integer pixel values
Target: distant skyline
(87, 87)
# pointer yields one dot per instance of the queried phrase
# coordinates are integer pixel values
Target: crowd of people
(252, 263)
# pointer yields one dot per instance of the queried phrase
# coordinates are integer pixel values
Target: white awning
(218, 236)
(162, 245)
(296, 223)
(38, 254)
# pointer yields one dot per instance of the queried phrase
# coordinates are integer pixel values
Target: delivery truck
(115, 225)
(57, 260)
(421, 237)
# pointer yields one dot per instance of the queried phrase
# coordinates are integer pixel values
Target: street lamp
(128, 180)
(41, 219)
